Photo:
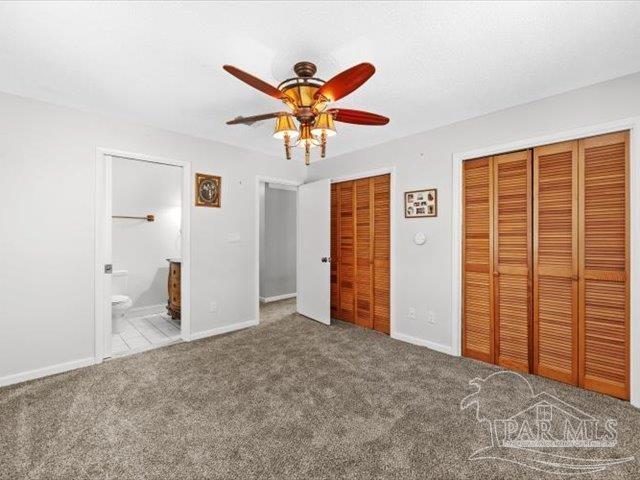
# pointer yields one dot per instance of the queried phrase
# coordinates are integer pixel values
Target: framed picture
(208, 190)
(421, 203)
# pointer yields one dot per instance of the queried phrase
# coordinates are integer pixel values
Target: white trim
(632, 124)
(421, 342)
(146, 311)
(278, 297)
(46, 371)
(102, 308)
(280, 186)
(391, 171)
(224, 329)
(256, 241)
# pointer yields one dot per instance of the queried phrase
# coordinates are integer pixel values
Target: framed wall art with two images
(421, 203)
(208, 190)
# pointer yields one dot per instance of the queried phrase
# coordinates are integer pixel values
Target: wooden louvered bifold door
(512, 259)
(381, 217)
(477, 260)
(346, 253)
(555, 261)
(604, 263)
(335, 235)
(360, 251)
(363, 249)
(545, 285)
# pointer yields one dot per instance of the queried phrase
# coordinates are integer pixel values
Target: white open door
(314, 246)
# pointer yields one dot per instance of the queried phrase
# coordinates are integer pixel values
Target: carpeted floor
(290, 398)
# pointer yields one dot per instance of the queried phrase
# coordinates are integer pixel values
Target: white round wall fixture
(419, 238)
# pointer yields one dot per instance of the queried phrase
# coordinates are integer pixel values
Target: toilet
(120, 302)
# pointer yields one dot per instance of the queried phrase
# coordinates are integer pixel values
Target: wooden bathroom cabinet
(173, 287)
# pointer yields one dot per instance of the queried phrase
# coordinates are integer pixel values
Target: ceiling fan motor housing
(300, 92)
(305, 69)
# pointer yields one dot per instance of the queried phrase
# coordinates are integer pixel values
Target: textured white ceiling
(437, 63)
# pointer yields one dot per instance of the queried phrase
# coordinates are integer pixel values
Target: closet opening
(360, 252)
(545, 261)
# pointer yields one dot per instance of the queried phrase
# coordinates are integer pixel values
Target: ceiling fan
(308, 97)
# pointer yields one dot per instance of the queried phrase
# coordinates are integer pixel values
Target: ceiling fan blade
(357, 117)
(255, 118)
(255, 82)
(346, 82)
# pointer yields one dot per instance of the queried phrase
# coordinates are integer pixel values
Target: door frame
(633, 125)
(103, 201)
(391, 171)
(256, 225)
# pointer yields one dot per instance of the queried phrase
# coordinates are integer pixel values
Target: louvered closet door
(555, 261)
(363, 248)
(512, 258)
(477, 260)
(380, 199)
(604, 264)
(346, 252)
(335, 234)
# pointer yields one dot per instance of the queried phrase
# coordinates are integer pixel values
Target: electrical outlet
(213, 307)
(431, 317)
(412, 313)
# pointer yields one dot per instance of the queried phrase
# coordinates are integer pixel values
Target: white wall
(47, 196)
(140, 247)
(423, 273)
(278, 256)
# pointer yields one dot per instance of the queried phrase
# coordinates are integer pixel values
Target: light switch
(233, 237)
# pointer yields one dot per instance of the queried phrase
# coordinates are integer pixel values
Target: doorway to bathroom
(277, 248)
(142, 260)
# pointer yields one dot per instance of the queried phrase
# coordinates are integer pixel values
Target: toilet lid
(119, 299)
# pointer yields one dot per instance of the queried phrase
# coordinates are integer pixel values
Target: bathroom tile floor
(144, 333)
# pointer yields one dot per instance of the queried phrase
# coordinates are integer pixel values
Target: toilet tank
(119, 282)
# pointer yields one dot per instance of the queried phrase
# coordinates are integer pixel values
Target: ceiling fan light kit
(285, 129)
(307, 97)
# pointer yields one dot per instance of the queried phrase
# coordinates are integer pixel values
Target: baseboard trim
(225, 329)
(278, 297)
(46, 371)
(146, 311)
(423, 343)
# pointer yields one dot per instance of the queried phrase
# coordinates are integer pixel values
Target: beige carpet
(290, 398)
